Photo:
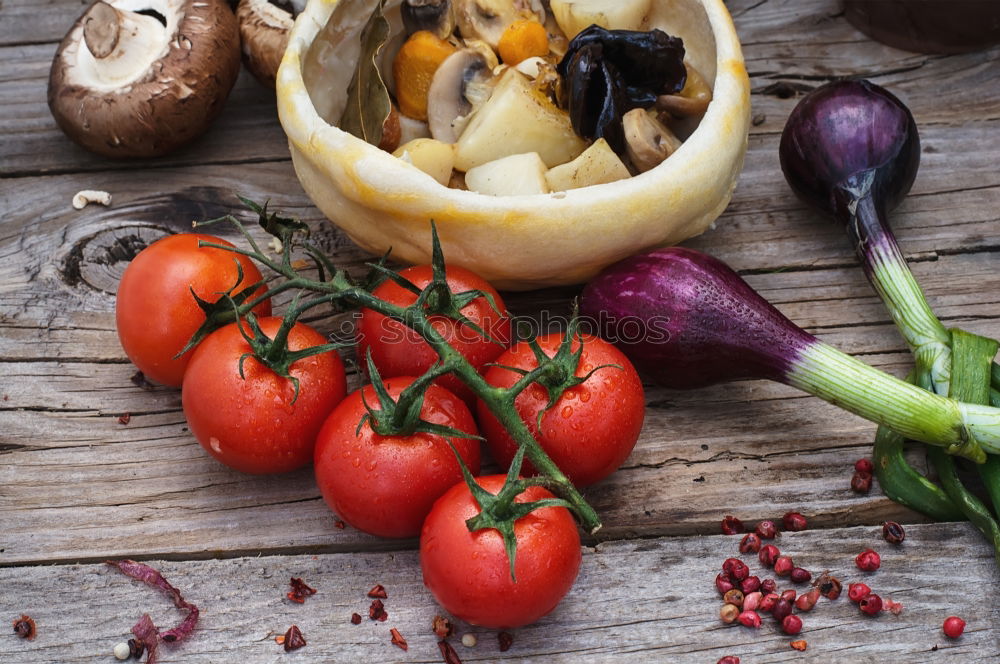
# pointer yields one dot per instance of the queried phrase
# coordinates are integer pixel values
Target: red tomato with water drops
(256, 424)
(469, 573)
(591, 429)
(154, 311)
(386, 485)
(399, 351)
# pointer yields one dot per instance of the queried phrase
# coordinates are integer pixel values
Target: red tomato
(386, 485)
(253, 425)
(469, 573)
(155, 312)
(591, 429)
(399, 351)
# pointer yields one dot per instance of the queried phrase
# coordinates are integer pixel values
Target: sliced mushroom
(487, 19)
(432, 15)
(647, 140)
(693, 99)
(264, 28)
(130, 84)
(460, 85)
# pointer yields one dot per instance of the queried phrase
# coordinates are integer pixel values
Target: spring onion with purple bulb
(851, 149)
(689, 320)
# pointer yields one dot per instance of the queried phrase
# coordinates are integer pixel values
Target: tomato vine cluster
(401, 456)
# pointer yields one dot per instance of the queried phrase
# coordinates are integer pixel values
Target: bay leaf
(368, 101)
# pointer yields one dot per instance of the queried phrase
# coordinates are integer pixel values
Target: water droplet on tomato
(371, 465)
(584, 395)
(567, 412)
(356, 462)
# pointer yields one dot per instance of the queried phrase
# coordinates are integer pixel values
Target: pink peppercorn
(870, 604)
(751, 601)
(731, 525)
(729, 659)
(766, 530)
(861, 482)
(734, 597)
(768, 601)
(791, 625)
(768, 554)
(750, 619)
(783, 566)
(781, 609)
(953, 627)
(768, 586)
(857, 591)
(788, 595)
(807, 601)
(723, 583)
(750, 584)
(793, 521)
(799, 575)
(868, 560)
(728, 613)
(864, 466)
(750, 543)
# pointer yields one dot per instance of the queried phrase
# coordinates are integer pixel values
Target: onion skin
(688, 320)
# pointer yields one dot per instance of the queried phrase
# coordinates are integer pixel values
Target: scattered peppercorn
(799, 645)
(750, 619)
(729, 613)
(864, 466)
(750, 543)
(121, 651)
(782, 608)
(469, 640)
(340, 525)
(766, 530)
(791, 625)
(783, 566)
(806, 601)
(870, 604)
(750, 584)
(789, 594)
(294, 639)
(377, 592)
(895, 608)
(751, 601)
(856, 591)
(768, 601)
(24, 627)
(136, 648)
(800, 575)
(505, 640)
(768, 554)
(723, 583)
(953, 627)
(893, 533)
(398, 640)
(355, 618)
(124, 418)
(868, 560)
(442, 627)
(734, 597)
(768, 586)
(449, 654)
(729, 659)
(861, 482)
(793, 521)
(377, 610)
(299, 590)
(736, 568)
(829, 586)
(731, 525)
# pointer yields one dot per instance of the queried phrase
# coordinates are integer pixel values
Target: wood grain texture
(77, 485)
(650, 598)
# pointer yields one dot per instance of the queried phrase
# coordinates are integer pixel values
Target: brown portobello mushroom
(139, 79)
(264, 29)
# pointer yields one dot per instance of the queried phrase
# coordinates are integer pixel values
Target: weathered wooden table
(78, 485)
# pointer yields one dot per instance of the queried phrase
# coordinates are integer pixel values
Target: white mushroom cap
(123, 84)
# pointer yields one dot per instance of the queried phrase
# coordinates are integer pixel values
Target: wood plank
(37, 21)
(647, 599)
(246, 130)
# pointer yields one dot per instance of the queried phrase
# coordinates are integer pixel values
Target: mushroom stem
(120, 44)
(692, 100)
